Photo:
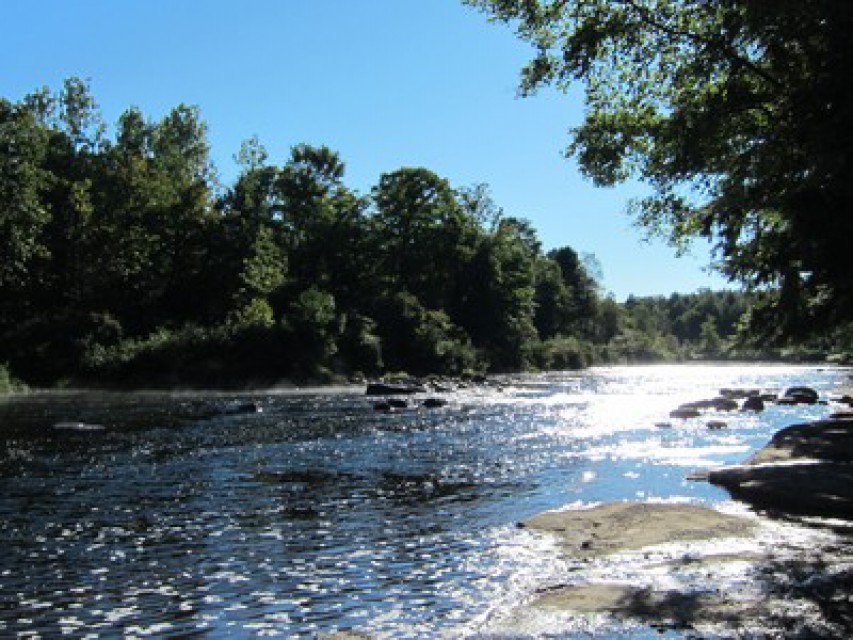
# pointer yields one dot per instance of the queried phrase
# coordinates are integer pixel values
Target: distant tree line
(125, 262)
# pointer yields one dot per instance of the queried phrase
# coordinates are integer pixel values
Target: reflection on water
(194, 514)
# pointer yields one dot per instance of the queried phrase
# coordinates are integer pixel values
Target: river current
(293, 514)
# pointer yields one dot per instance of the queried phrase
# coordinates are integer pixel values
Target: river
(193, 514)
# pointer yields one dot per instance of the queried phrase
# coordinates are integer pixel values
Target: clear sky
(386, 83)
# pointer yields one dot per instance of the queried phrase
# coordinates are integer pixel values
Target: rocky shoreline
(803, 590)
(806, 469)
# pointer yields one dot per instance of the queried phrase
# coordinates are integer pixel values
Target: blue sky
(386, 83)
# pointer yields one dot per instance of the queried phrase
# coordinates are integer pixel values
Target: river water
(179, 515)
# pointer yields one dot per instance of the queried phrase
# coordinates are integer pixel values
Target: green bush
(632, 346)
(359, 348)
(423, 340)
(255, 313)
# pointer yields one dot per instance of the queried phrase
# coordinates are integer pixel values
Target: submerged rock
(241, 408)
(345, 635)
(78, 426)
(845, 399)
(662, 608)
(389, 404)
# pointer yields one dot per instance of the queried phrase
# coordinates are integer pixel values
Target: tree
(500, 293)
(553, 305)
(426, 235)
(263, 273)
(180, 214)
(738, 114)
(710, 337)
(122, 263)
(581, 286)
(23, 216)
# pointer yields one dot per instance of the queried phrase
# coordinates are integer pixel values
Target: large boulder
(817, 488)
(804, 469)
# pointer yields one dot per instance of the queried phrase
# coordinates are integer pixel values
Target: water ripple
(182, 517)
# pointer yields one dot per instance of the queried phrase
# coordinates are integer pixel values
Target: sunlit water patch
(290, 515)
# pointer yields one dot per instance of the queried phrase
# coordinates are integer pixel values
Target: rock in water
(388, 389)
(805, 469)
(799, 395)
(753, 403)
(620, 526)
(685, 413)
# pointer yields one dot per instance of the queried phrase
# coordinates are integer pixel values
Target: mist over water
(181, 515)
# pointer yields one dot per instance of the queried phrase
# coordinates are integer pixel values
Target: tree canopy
(738, 114)
(124, 257)
(127, 262)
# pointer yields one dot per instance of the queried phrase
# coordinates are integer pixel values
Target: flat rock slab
(623, 526)
(664, 608)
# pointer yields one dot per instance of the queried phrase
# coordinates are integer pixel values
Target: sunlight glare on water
(316, 513)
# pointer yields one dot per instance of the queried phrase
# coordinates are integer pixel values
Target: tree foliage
(125, 262)
(738, 114)
(124, 257)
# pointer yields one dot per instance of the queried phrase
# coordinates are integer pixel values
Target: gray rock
(799, 395)
(753, 403)
(685, 412)
(389, 389)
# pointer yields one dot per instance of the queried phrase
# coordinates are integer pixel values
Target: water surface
(187, 514)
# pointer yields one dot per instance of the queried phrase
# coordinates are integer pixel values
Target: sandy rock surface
(623, 526)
